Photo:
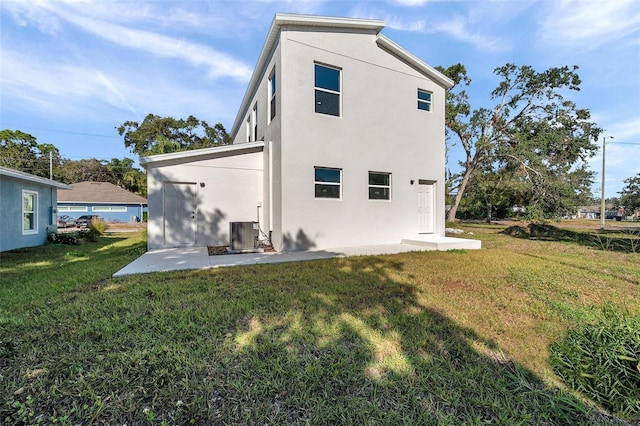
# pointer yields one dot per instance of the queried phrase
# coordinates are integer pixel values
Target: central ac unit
(243, 235)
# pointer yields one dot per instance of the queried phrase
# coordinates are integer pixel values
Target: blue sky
(72, 71)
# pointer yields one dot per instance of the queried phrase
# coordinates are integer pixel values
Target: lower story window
(328, 182)
(379, 186)
(29, 209)
(72, 208)
(106, 209)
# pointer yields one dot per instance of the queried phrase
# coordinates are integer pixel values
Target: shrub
(68, 238)
(602, 361)
(99, 226)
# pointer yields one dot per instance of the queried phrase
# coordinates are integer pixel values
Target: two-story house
(339, 142)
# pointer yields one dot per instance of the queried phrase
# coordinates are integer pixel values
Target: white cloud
(218, 64)
(32, 13)
(590, 23)
(411, 3)
(461, 29)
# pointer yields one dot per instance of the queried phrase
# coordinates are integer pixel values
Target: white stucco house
(339, 142)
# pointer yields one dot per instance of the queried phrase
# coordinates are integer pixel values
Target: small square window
(379, 186)
(424, 100)
(328, 182)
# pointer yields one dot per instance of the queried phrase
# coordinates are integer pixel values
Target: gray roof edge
(280, 20)
(5, 171)
(203, 152)
(413, 60)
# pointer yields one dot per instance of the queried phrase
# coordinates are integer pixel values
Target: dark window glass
(327, 78)
(327, 103)
(327, 85)
(379, 186)
(425, 96)
(272, 105)
(379, 179)
(327, 191)
(327, 175)
(327, 183)
(424, 100)
(378, 193)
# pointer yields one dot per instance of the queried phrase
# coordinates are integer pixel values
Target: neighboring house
(588, 212)
(339, 141)
(104, 199)
(27, 208)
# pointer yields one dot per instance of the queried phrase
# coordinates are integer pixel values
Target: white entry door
(179, 214)
(425, 207)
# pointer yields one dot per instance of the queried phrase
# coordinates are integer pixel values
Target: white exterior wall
(380, 129)
(228, 189)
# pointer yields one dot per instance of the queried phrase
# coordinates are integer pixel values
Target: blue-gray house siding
(14, 219)
(104, 199)
(109, 212)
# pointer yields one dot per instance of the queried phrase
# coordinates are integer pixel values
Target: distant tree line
(155, 135)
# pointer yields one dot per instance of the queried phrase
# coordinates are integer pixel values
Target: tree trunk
(451, 216)
(487, 203)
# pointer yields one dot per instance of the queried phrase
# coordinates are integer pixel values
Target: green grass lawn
(447, 338)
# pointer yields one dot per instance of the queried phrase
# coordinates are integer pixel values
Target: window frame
(109, 209)
(272, 88)
(318, 183)
(72, 209)
(387, 187)
(33, 212)
(427, 102)
(317, 88)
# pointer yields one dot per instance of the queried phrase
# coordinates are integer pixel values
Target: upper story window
(424, 100)
(272, 95)
(254, 119)
(379, 186)
(248, 128)
(327, 90)
(29, 212)
(328, 182)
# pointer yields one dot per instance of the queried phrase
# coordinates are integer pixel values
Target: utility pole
(50, 165)
(602, 206)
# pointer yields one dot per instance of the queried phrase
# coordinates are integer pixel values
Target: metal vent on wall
(244, 235)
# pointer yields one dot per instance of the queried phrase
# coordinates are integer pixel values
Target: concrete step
(436, 242)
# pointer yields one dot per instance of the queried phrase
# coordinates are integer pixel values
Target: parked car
(65, 221)
(85, 221)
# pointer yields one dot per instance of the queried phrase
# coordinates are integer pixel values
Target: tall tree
(21, 151)
(630, 194)
(532, 133)
(160, 135)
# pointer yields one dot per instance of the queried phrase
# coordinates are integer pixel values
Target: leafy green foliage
(120, 172)
(630, 194)
(97, 229)
(21, 151)
(532, 137)
(627, 241)
(602, 361)
(162, 135)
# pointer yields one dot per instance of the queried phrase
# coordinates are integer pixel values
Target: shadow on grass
(341, 341)
(627, 241)
(32, 273)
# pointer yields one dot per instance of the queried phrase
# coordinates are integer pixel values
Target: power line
(62, 131)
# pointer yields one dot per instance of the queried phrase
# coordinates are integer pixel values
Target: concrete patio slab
(173, 259)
